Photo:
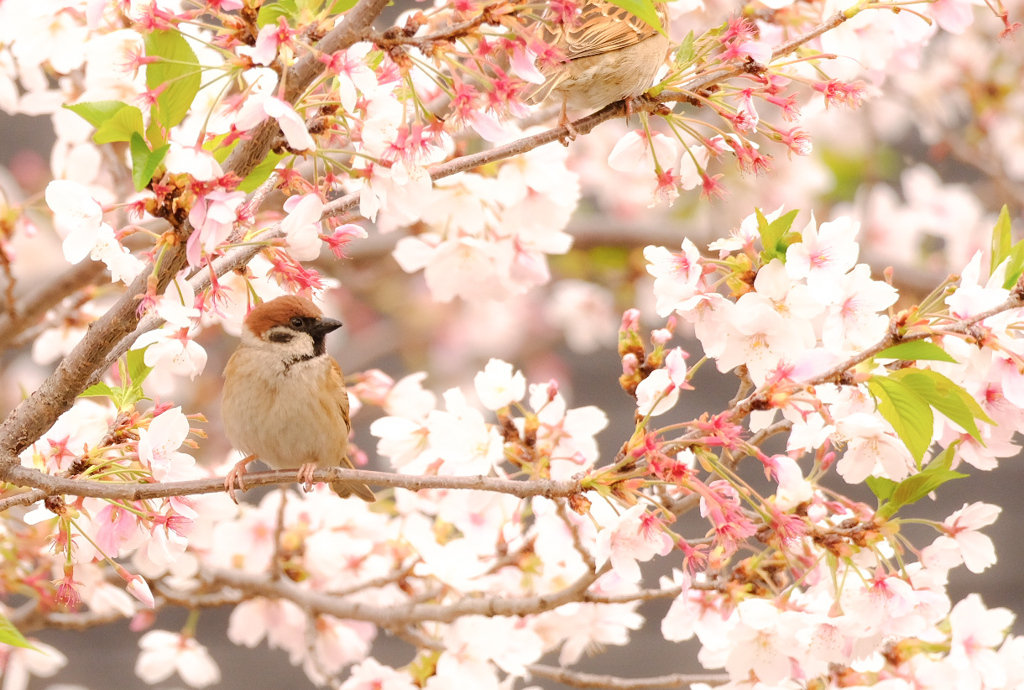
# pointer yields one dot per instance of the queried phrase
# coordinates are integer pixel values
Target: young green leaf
(136, 370)
(644, 9)
(916, 350)
(96, 112)
(914, 488)
(775, 236)
(12, 636)
(1002, 240)
(686, 51)
(270, 12)
(120, 126)
(100, 390)
(144, 161)
(177, 74)
(910, 416)
(258, 175)
(946, 397)
(881, 487)
(340, 6)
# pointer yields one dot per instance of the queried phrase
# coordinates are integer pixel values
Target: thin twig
(578, 679)
(52, 485)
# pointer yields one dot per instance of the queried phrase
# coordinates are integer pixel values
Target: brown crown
(277, 312)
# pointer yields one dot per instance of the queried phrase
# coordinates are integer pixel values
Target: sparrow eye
(296, 322)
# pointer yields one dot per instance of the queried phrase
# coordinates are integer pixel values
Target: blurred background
(924, 175)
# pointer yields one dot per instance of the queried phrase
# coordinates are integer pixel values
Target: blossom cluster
(825, 595)
(193, 134)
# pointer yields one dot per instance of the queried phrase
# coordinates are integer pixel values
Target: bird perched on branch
(609, 55)
(284, 397)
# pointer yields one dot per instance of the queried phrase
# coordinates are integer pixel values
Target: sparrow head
(290, 325)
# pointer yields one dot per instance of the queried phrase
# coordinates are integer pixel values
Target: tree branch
(403, 614)
(52, 485)
(578, 679)
(32, 308)
(34, 416)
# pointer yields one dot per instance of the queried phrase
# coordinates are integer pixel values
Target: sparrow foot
(563, 121)
(234, 477)
(306, 476)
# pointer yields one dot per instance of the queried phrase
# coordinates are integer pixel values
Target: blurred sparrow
(284, 397)
(610, 55)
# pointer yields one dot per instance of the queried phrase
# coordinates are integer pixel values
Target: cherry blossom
(631, 537)
(974, 549)
(261, 106)
(497, 387)
(77, 215)
(213, 217)
(165, 653)
(301, 226)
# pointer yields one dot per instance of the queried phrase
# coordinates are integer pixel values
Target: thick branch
(34, 416)
(32, 308)
(117, 328)
(297, 79)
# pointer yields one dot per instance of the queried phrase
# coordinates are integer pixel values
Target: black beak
(323, 327)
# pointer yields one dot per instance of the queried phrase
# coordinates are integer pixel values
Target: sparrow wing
(338, 381)
(346, 489)
(603, 28)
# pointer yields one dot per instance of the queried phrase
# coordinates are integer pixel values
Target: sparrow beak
(323, 327)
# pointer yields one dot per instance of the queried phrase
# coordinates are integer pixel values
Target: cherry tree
(208, 156)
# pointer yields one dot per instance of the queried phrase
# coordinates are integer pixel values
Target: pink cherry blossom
(259, 107)
(676, 276)
(301, 226)
(629, 538)
(823, 255)
(872, 449)
(976, 549)
(213, 217)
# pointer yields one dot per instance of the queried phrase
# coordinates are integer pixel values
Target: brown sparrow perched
(284, 397)
(610, 55)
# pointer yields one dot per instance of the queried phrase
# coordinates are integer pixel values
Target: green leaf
(261, 172)
(96, 112)
(775, 236)
(916, 350)
(644, 9)
(340, 6)
(136, 370)
(144, 161)
(11, 635)
(946, 397)
(271, 11)
(686, 51)
(909, 415)
(100, 390)
(914, 488)
(881, 487)
(1014, 265)
(178, 72)
(120, 126)
(1002, 240)
(258, 175)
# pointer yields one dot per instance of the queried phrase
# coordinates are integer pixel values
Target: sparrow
(609, 55)
(284, 397)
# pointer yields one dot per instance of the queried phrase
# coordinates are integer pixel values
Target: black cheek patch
(280, 337)
(319, 346)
